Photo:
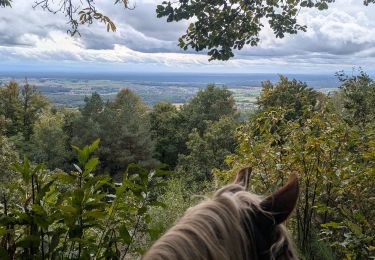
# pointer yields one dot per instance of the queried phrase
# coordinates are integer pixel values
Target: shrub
(76, 215)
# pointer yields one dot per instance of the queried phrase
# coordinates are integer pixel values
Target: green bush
(76, 215)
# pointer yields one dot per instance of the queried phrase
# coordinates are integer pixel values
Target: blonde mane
(221, 228)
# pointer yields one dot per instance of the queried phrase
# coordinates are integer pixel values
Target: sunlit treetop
(217, 26)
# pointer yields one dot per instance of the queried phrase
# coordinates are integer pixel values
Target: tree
(50, 141)
(334, 161)
(8, 154)
(164, 125)
(71, 215)
(131, 127)
(208, 151)
(20, 107)
(171, 128)
(86, 127)
(209, 105)
(33, 103)
(123, 128)
(10, 108)
(292, 95)
(221, 26)
(77, 12)
(358, 98)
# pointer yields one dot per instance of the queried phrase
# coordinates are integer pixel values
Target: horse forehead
(240, 194)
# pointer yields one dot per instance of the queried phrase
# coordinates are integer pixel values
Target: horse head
(233, 225)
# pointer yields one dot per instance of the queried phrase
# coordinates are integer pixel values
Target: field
(70, 90)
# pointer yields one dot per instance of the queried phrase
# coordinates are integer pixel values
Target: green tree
(208, 151)
(71, 216)
(333, 161)
(8, 154)
(132, 128)
(224, 26)
(20, 107)
(123, 127)
(10, 108)
(358, 98)
(50, 141)
(209, 105)
(219, 26)
(70, 117)
(171, 127)
(164, 122)
(33, 103)
(86, 127)
(292, 95)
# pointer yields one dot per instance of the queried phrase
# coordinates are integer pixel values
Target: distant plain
(69, 89)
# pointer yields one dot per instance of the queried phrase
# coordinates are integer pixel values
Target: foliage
(336, 175)
(292, 95)
(10, 108)
(123, 128)
(82, 212)
(218, 26)
(32, 102)
(224, 26)
(351, 229)
(172, 129)
(358, 98)
(165, 126)
(76, 12)
(209, 105)
(177, 198)
(208, 151)
(5, 3)
(20, 107)
(50, 140)
(8, 154)
(53, 215)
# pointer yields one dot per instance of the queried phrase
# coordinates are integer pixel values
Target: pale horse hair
(232, 225)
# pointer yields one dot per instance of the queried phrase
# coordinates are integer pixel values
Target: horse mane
(215, 229)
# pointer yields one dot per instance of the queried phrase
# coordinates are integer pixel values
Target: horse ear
(282, 202)
(242, 177)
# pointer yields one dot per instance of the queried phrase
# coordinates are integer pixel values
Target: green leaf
(331, 224)
(356, 229)
(94, 146)
(157, 204)
(124, 234)
(91, 165)
(142, 210)
(28, 241)
(155, 233)
(162, 173)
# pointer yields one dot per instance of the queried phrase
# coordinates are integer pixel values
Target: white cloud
(341, 37)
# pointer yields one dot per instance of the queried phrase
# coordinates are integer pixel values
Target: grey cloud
(339, 36)
(129, 37)
(143, 19)
(343, 35)
(138, 29)
(22, 19)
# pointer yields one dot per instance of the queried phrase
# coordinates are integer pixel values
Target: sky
(339, 38)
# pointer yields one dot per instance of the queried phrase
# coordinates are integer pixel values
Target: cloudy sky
(342, 37)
